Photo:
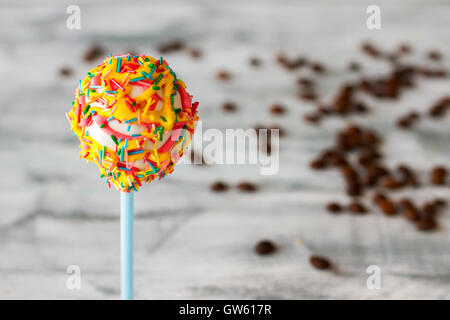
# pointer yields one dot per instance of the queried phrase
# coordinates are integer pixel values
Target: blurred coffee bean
(313, 117)
(255, 62)
(171, 46)
(94, 52)
(219, 186)
(354, 66)
(438, 175)
(370, 49)
(319, 262)
(434, 55)
(277, 109)
(388, 207)
(426, 224)
(194, 53)
(404, 48)
(229, 106)
(265, 247)
(65, 71)
(223, 75)
(356, 207)
(247, 187)
(334, 207)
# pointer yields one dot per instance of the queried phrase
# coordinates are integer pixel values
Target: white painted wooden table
(191, 243)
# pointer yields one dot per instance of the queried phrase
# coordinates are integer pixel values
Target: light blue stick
(126, 245)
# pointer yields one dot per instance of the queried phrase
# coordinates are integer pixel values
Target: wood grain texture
(191, 243)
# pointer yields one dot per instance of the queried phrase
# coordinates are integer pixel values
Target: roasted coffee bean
(349, 172)
(426, 224)
(433, 73)
(370, 138)
(323, 110)
(376, 171)
(392, 183)
(337, 160)
(305, 82)
(404, 48)
(219, 186)
(320, 263)
(334, 207)
(307, 95)
(360, 107)
(313, 117)
(404, 123)
(429, 209)
(356, 207)
(194, 53)
(440, 107)
(378, 197)
(408, 177)
(265, 247)
(223, 75)
(255, 62)
(438, 175)
(409, 210)
(94, 52)
(440, 203)
(387, 207)
(354, 66)
(229, 106)
(290, 64)
(411, 214)
(171, 46)
(354, 188)
(408, 120)
(65, 71)
(247, 187)
(368, 156)
(434, 55)
(277, 109)
(343, 100)
(318, 164)
(370, 50)
(317, 67)
(406, 203)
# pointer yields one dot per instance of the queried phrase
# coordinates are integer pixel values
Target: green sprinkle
(156, 88)
(102, 125)
(158, 79)
(164, 119)
(161, 60)
(114, 139)
(87, 109)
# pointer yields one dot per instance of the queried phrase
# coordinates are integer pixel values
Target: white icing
(104, 139)
(100, 136)
(122, 127)
(136, 91)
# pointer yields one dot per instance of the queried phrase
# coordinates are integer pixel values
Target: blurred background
(310, 68)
